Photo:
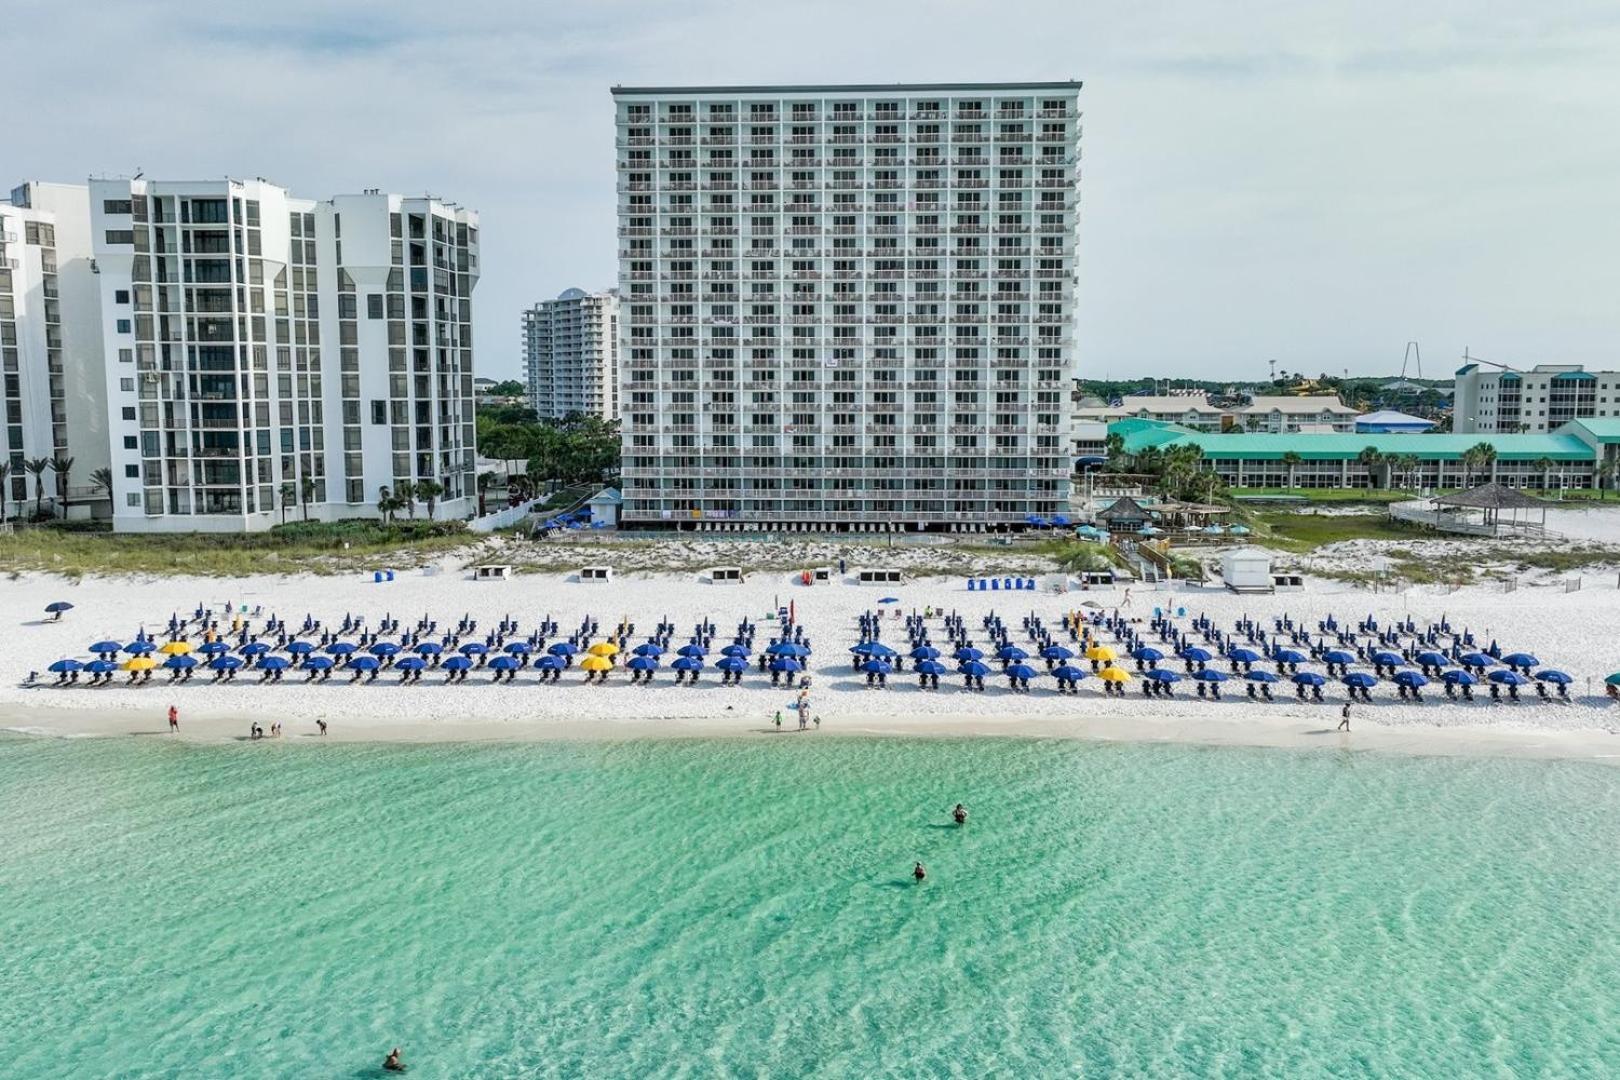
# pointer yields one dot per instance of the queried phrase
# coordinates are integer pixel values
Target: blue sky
(1313, 183)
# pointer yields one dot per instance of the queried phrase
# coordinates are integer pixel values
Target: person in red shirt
(174, 719)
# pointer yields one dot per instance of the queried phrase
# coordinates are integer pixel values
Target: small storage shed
(1247, 569)
(492, 572)
(604, 507)
(724, 575)
(596, 573)
(879, 575)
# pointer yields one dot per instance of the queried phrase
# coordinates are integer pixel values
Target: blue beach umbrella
(1011, 652)
(1289, 656)
(1195, 655)
(1339, 656)
(1147, 654)
(138, 648)
(254, 648)
(274, 663)
(428, 648)
(974, 668)
(504, 663)
(473, 648)
(1244, 656)
(1520, 660)
(383, 648)
(549, 663)
(642, 663)
(58, 606)
(1161, 675)
(877, 667)
(649, 648)
(931, 667)
(1261, 677)
(318, 663)
(786, 648)
(1477, 660)
(214, 648)
(341, 648)
(519, 648)
(692, 663)
(563, 648)
(925, 652)
(301, 648)
(734, 650)
(1458, 677)
(1557, 678)
(1309, 678)
(1360, 680)
(732, 665)
(365, 663)
(1069, 673)
(889, 600)
(1211, 675)
(1410, 679)
(1020, 671)
(1433, 659)
(1507, 677)
(694, 651)
(225, 663)
(180, 663)
(1057, 652)
(786, 664)
(101, 667)
(1385, 658)
(968, 652)
(106, 647)
(411, 663)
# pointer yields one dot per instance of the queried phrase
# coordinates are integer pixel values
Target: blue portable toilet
(995, 583)
(973, 585)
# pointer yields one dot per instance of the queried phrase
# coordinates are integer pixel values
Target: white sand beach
(1578, 632)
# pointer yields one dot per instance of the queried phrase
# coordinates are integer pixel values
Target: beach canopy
(1100, 653)
(603, 648)
(931, 667)
(1433, 659)
(318, 663)
(344, 648)
(225, 663)
(1244, 656)
(383, 648)
(1507, 677)
(142, 663)
(171, 648)
(410, 663)
(1410, 679)
(274, 663)
(101, 667)
(1458, 677)
(596, 662)
(928, 652)
(877, 667)
(1147, 654)
(642, 663)
(428, 648)
(1520, 660)
(973, 668)
(1289, 656)
(1211, 676)
(58, 606)
(1020, 671)
(504, 663)
(687, 663)
(786, 664)
(457, 663)
(180, 663)
(1557, 678)
(1160, 675)
(968, 652)
(365, 663)
(732, 665)
(109, 647)
(1339, 656)
(62, 666)
(649, 648)
(1114, 674)
(563, 648)
(1261, 677)
(1360, 679)
(1309, 678)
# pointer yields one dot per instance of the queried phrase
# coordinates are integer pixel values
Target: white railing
(501, 519)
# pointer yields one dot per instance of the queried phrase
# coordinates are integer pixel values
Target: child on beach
(174, 719)
(778, 719)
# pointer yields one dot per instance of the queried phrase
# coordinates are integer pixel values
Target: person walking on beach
(778, 719)
(322, 725)
(1344, 717)
(174, 720)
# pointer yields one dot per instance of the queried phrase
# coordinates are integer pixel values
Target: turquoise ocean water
(743, 908)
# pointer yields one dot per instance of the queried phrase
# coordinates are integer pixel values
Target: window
(132, 472)
(123, 326)
(132, 499)
(116, 206)
(126, 356)
(129, 412)
(131, 443)
(374, 306)
(379, 411)
(127, 385)
(120, 296)
(120, 236)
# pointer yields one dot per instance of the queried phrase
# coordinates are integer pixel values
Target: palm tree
(1604, 477)
(288, 494)
(429, 490)
(1371, 459)
(36, 468)
(485, 479)
(1485, 455)
(1546, 465)
(62, 466)
(307, 492)
(388, 505)
(1291, 461)
(405, 491)
(103, 479)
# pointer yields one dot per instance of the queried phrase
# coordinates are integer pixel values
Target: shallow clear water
(702, 908)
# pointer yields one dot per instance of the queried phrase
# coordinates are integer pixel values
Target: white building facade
(1541, 399)
(847, 306)
(52, 400)
(270, 358)
(571, 355)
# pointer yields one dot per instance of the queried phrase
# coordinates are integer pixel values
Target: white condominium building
(1548, 395)
(847, 306)
(271, 358)
(571, 355)
(52, 400)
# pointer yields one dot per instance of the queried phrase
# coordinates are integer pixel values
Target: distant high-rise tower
(847, 306)
(571, 355)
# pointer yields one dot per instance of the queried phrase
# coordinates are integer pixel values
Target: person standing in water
(393, 1062)
(918, 873)
(959, 815)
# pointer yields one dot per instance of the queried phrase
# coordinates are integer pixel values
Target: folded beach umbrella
(472, 648)
(786, 664)
(170, 648)
(1476, 660)
(974, 668)
(274, 663)
(1147, 654)
(1114, 674)
(109, 647)
(1458, 677)
(318, 663)
(1051, 652)
(1261, 677)
(1410, 679)
(518, 648)
(1385, 658)
(254, 648)
(696, 651)
(1069, 673)
(1309, 678)
(504, 663)
(344, 648)
(877, 667)
(686, 663)
(63, 666)
(1339, 656)
(652, 648)
(101, 667)
(1520, 660)
(549, 663)
(968, 652)
(428, 648)
(1360, 680)
(1244, 656)
(1211, 675)
(180, 663)
(928, 652)
(141, 663)
(563, 648)
(1101, 653)
(383, 648)
(225, 663)
(603, 648)
(1557, 678)
(1507, 677)
(1433, 659)
(931, 667)
(1011, 652)
(365, 663)
(410, 663)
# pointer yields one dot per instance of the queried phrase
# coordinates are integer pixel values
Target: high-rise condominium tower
(270, 358)
(847, 306)
(571, 355)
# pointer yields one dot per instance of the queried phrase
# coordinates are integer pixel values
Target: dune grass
(1303, 533)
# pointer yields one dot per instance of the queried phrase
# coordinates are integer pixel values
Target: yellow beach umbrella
(176, 648)
(603, 648)
(140, 663)
(1100, 652)
(1114, 674)
(596, 663)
